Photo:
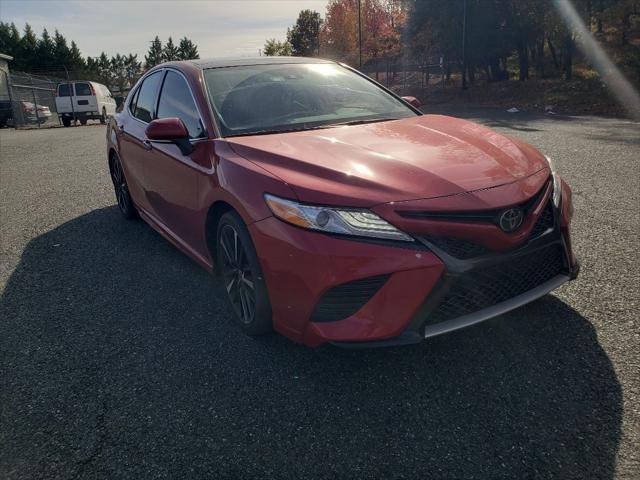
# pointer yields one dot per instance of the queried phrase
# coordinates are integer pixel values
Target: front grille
(482, 216)
(465, 250)
(457, 247)
(545, 222)
(344, 300)
(484, 288)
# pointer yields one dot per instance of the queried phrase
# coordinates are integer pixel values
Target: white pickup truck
(84, 101)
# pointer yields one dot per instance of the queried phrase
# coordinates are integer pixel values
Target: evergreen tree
(187, 50)
(61, 52)
(103, 66)
(6, 44)
(118, 72)
(91, 69)
(304, 36)
(27, 55)
(132, 69)
(154, 56)
(272, 48)
(45, 51)
(170, 51)
(76, 62)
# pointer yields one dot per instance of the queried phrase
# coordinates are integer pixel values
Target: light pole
(464, 44)
(359, 36)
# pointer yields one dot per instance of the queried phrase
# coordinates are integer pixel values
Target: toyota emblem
(510, 220)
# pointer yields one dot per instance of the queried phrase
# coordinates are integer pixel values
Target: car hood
(421, 157)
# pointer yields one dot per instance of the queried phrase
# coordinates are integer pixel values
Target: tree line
(55, 56)
(476, 37)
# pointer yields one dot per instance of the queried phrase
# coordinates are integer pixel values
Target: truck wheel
(66, 121)
(83, 121)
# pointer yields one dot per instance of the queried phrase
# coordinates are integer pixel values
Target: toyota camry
(333, 210)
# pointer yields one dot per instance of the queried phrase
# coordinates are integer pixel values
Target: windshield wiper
(307, 128)
(272, 131)
(358, 122)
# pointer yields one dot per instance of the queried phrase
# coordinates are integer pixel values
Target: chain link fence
(33, 100)
(408, 76)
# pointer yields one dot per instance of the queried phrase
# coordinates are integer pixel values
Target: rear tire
(125, 203)
(66, 121)
(83, 121)
(242, 276)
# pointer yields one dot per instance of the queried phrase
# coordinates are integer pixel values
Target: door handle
(146, 143)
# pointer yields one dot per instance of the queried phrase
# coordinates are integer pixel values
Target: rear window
(83, 89)
(63, 90)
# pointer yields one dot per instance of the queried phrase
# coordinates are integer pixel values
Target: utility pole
(359, 36)
(464, 44)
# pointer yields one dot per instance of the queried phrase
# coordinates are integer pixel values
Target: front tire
(125, 203)
(66, 121)
(242, 276)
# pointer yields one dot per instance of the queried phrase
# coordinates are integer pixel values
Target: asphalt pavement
(119, 357)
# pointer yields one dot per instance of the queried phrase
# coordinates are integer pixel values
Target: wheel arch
(214, 214)
(110, 155)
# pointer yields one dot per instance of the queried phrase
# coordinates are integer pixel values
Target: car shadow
(120, 357)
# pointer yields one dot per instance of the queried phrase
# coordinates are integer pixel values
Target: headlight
(557, 184)
(345, 221)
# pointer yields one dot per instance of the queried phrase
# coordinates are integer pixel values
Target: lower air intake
(344, 300)
(484, 288)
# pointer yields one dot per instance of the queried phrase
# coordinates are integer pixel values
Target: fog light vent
(344, 300)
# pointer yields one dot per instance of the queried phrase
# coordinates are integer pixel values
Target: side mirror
(170, 130)
(413, 101)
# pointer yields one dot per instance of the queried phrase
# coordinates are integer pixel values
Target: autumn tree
(339, 32)
(381, 24)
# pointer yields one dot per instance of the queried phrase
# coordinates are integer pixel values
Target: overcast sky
(219, 28)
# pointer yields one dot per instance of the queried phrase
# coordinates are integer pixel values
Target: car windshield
(274, 98)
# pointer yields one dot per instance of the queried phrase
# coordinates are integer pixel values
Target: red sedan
(333, 210)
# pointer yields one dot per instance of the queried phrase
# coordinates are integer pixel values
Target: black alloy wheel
(242, 276)
(121, 189)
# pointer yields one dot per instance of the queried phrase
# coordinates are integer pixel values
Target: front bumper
(301, 266)
(418, 282)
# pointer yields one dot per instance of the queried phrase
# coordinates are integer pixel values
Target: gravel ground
(119, 358)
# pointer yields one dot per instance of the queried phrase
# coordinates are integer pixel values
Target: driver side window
(176, 101)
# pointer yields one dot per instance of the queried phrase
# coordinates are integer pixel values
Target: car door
(135, 151)
(63, 98)
(85, 99)
(172, 177)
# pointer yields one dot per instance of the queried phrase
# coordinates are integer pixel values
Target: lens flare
(620, 87)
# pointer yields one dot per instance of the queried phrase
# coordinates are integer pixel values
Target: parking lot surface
(119, 357)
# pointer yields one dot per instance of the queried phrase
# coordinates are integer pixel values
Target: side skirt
(175, 240)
